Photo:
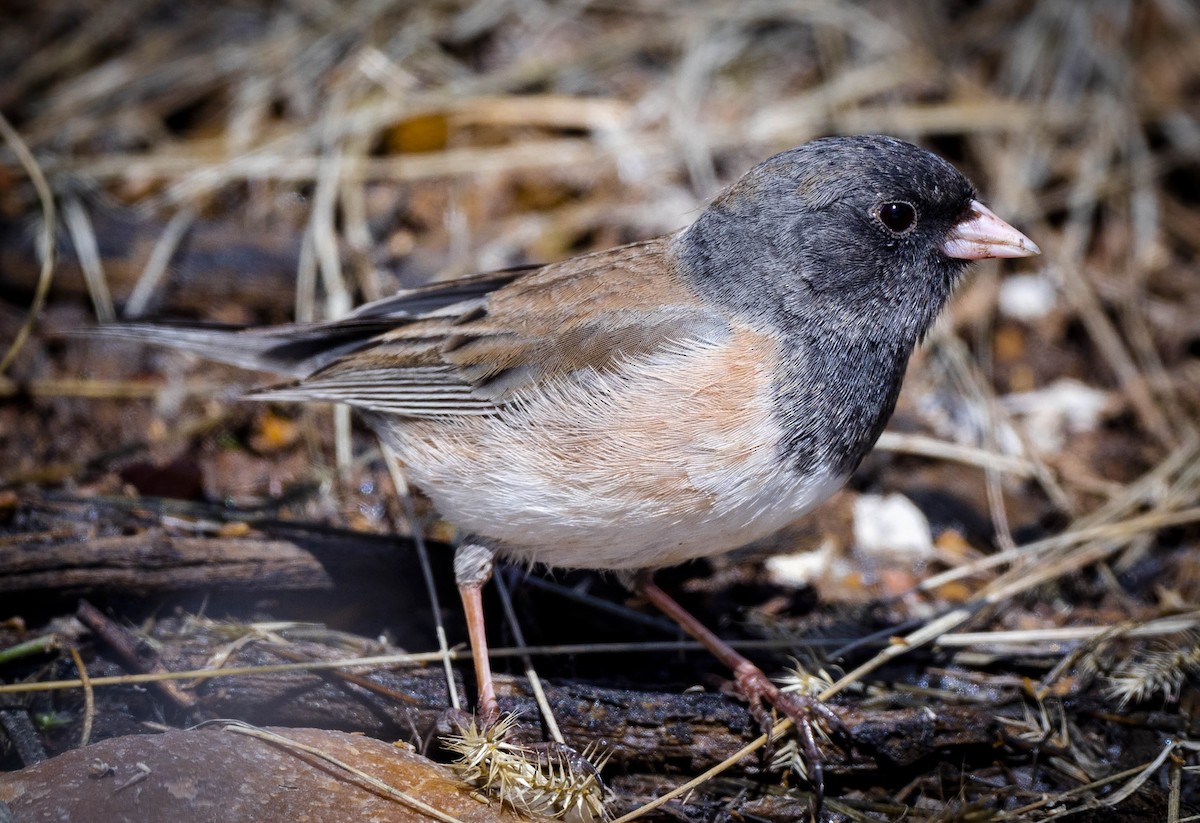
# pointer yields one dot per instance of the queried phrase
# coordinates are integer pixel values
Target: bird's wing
(587, 315)
(437, 297)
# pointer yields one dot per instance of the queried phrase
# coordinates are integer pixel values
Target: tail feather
(294, 350)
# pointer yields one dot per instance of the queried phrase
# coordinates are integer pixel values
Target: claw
(806, 712)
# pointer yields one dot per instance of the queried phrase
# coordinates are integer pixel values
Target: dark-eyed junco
(662, 401)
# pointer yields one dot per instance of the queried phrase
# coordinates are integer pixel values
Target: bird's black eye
(897, 216)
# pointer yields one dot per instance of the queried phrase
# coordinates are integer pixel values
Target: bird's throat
(834, 396)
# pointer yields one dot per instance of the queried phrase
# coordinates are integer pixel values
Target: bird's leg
(755, 686)
(473, 561)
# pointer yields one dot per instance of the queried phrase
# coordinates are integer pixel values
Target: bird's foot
(811, 717)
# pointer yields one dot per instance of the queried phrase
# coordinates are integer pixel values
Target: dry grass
(255, 162)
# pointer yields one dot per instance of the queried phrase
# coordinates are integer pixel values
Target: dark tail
(294, 350)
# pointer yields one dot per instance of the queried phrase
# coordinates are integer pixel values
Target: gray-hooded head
(842, 230)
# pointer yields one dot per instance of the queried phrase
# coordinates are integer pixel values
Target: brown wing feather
(590, 313)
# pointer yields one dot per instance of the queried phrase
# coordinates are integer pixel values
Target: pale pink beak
(981, 234)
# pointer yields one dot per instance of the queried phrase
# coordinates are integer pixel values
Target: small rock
(217, 775)
(891, 526)
(1062, 408)
(1027, 297)
(799, 568)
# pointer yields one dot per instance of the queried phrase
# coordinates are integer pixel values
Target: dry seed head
(1164, 669)
(789, 756)
(799, 679)
(554, 781)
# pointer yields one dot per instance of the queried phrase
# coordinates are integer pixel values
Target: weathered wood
(72, 558)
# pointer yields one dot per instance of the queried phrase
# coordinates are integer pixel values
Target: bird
(667, 400)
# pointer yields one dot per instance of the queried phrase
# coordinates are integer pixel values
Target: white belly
(572, 521)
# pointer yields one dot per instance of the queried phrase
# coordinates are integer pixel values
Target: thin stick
(160, 257)
(306, 279)
(749, 749)
(1110, 538)
(329, 260)
(923, 446)
(87, 252)
(400, 484)
(1125, 528)
(89, 697)
(230, 671)
(535, 682)
(1066, 634)
(45, 238)
(124, 645)
(37, 645)
(1175, 784)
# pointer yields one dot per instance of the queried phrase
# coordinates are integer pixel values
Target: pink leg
(473, 568)
(489, 709)
(755, 686)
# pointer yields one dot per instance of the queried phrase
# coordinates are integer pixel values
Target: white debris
(891, 525)
(1050, 414)
(1027, 297)
(799, 568)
